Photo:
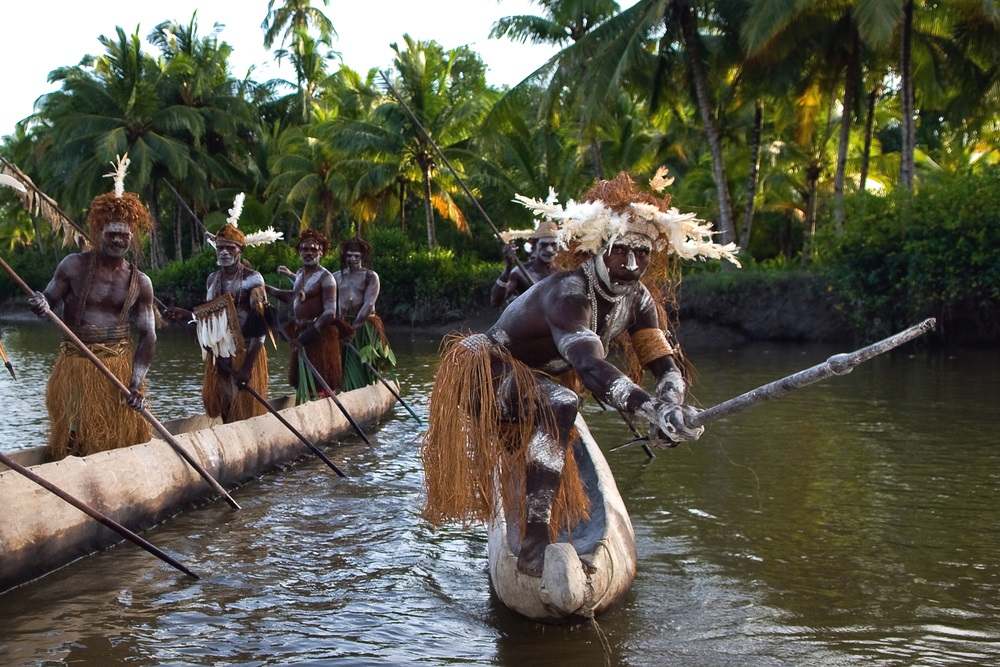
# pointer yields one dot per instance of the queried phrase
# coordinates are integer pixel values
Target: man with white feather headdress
(103, 298)
(497, 412)
(231, 324)
(543, 246)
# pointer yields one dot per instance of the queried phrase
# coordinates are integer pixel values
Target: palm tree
(446, 89)
(562, 22)
(292, 16)
(306, 173)
(108, 106)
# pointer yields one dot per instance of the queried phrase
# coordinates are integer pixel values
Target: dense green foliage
(795, 126)
(903, 258)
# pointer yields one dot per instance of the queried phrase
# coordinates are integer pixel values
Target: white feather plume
(12, 182)
(120, 170)
(659, 182)
(264, 237)
(592, 226)
(237, 210)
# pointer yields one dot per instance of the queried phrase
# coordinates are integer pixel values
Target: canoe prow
(585, 573)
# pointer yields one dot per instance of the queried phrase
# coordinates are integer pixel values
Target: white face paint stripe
(630, 262)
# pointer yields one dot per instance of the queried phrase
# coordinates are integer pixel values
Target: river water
(852, 521)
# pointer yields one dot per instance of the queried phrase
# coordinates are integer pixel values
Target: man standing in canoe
(231, 324)
(512, 282)
(315, 324)
(102, 296)
(357, 291)
(497, 413)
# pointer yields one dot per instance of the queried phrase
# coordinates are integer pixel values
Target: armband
(650, 344)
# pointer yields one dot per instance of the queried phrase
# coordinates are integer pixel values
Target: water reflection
(852, 521)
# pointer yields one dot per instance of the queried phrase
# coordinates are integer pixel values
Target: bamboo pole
(159, 427)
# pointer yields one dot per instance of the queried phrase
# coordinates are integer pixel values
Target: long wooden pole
(85, 351)
(95, 514)
(315, 450)
(838, 364)
(325, 385)
(381, 378)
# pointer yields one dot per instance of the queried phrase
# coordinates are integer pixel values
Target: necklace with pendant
(618, 302)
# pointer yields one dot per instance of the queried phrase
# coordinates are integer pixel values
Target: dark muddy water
(856, 521)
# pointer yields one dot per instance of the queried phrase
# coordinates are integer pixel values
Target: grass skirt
(221, 396)
(371, 342)
(469, 446)
(324, 353)
(87, 414)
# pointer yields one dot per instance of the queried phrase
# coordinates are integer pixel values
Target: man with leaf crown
(103, 298)
(542, 245)
(231, 325)
(498, 415)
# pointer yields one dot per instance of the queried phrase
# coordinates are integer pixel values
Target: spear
(85, 351)
(838, 364)
(95, 514)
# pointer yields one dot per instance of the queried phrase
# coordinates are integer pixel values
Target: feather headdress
(545, 227)
(231, 230)
(615, 210)
(119, 171)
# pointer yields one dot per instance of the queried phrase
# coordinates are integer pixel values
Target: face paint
(353, 258)
(630, 262)
(310, 253)
(546, 250)
(116, 237)
(227, 254)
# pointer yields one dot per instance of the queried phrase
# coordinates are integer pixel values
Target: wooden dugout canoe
(584, 575)
(141, 485)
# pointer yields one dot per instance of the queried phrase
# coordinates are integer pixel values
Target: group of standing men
(104, 297)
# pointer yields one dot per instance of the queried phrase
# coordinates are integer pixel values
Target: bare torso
(241, 283)
(357, 292)
(315, 293)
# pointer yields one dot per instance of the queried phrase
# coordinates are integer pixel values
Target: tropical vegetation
(857, 139)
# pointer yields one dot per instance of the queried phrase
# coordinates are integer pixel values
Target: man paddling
(512, 282)
(357, 293)
(315, 324)
(103, 296)
(497, 412)
(231, 324)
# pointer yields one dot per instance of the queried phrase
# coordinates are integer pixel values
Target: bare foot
(531, 558)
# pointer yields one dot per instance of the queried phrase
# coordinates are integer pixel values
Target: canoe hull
(584, 574)
(142, 485)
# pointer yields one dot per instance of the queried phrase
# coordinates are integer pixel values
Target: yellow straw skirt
(221, 396)
(87, 414)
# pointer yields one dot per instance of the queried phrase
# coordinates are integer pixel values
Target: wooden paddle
(316, 450)
(838, 364)
(85, 351)
(93, 513)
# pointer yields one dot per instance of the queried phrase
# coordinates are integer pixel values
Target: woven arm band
(650, 345)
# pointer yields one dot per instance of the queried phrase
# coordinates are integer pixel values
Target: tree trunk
(758, 122)
(689, 31)
(597, 158)
(155, 244)
(196, 235)
(812, 179)
(869, 130)
(402, 206)
(851, 81)
(178, 241)
(428, 209)
(906, 164)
